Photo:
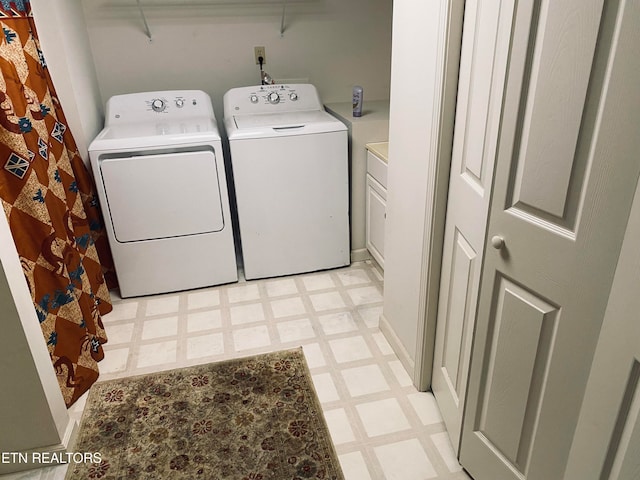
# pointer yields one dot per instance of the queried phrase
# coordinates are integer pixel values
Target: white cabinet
(376, 202)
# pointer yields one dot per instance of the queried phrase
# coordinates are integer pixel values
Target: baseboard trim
(360, 255)
(407, 362)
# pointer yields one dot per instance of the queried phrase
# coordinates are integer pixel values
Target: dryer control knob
(157, 105)
(253, 98)
(179, 102)
(293, 96)
(274, 98)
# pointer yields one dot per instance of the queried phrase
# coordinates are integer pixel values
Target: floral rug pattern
(255, 418)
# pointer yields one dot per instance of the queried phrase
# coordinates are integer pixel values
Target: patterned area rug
(254, 418)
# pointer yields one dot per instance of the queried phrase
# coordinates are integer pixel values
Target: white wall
(32, 409)
(414, 132)
(68, 56)
(334, 44)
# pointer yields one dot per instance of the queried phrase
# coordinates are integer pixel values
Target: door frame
(439, 158)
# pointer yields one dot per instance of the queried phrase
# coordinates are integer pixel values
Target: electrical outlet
(260, 52)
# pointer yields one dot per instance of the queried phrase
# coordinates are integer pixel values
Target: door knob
(497, 242)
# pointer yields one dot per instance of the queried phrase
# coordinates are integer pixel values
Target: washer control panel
(272, 99)
(267, 94)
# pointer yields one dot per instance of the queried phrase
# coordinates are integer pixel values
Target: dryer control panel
(271, 99)
(154, 106)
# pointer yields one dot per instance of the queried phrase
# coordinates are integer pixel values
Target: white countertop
(374, 110)
(380, 149)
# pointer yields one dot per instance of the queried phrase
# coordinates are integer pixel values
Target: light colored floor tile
(161, 327)
(405, 460)
(349, 349)
(205, 345)
(365, 407)
(445, 449)
(295, 330)
(339, 426)
(382, 417)
(318, 281)
(365, 295)
(121, 333)
(157, 353)
(400, 373)
(55, 473)
(337, 323)
(253, 337)
(241, 314)
(371, 315)
(313, 355)
(243, 293)
(205, 299)
(287, 307)
(354, 466)
(364, 380)
(278, 288)
(326, 301)
(45, 473)
(426, 407)
(75, 411)
(197, 322)
(353, 276)
(114, 361)
(382, 343)
(325, 387)
(122, 311)
(162, 305)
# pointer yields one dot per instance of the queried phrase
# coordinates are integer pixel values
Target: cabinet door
(376, 204)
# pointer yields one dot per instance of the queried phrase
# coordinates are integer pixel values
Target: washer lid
(279, 124)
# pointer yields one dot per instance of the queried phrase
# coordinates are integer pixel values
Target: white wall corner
(421, 128)
(70, 62)
(33, 409)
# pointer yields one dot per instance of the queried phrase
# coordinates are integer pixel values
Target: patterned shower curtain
(48, 198)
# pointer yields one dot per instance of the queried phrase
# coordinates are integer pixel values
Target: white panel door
(607, 440)
(567, 167)
(485, 46)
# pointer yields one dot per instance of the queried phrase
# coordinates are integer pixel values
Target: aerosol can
(357, 101)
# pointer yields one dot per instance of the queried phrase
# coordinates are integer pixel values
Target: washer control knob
(158, 105)
(254, 98)
(179, 102)
(293, 96)
(274, 98)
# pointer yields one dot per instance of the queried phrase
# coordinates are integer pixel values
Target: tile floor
(381, 426)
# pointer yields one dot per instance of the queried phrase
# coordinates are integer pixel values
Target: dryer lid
(182, 127)
(127, 136)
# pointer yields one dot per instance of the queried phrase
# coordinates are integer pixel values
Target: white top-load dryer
(290, 170)
(160, 177)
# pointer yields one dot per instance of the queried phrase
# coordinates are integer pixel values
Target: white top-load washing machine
(160, 177)
(290, 170)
